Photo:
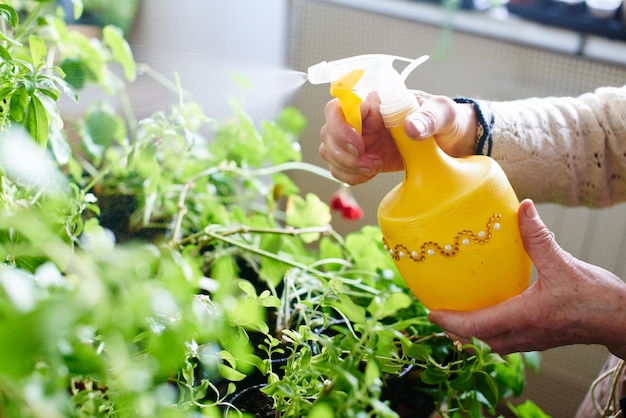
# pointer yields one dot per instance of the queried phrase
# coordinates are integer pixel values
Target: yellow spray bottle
(451, 225)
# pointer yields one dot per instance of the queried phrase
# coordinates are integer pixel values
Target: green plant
(156, 267)
(120, 13)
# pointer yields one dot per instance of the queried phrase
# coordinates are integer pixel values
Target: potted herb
(99, 13)
(169, 266)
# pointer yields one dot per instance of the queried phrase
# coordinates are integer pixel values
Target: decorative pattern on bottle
(430, 248)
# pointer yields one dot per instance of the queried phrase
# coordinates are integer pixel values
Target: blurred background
(254, 52)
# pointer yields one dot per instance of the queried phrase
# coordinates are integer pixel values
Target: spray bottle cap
(371, 72)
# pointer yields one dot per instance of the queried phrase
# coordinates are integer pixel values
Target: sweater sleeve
(566, 150)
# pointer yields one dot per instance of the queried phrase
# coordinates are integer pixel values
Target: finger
(337, 150)
(347, 168)
(337, 133)
(486, 323)
(433, 116)
(347, 177)
(458, 325)
(421, 96)
(343, 148)
(540, 244)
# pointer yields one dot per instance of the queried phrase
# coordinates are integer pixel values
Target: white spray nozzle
(375, 72)
(319, 73)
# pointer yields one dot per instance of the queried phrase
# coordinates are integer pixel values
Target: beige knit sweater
(567, 150)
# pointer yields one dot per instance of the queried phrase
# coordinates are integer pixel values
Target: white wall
(206, 42)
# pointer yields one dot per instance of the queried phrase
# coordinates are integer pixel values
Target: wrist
(469, 138)
(478, 128)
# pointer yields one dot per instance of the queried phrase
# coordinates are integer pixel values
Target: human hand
(355, 158)
(572, 302)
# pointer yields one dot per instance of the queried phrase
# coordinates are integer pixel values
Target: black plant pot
(251, 400)
(116, 211)
(404, 396)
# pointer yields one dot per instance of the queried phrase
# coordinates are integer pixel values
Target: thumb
(538, 240)
(432, 116)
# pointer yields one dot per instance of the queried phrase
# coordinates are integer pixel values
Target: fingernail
(351, 149)
(530, 210)
(366, 171)
(419, 126)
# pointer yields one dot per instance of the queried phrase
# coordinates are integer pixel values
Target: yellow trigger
(350, 102)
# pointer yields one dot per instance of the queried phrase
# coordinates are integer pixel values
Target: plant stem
(292, 165)
(211, 232)
(260, 251)
(182, 210)
(31, 17)
(164, 81)
(106, 170)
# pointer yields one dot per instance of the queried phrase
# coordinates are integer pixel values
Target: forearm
(563, 150)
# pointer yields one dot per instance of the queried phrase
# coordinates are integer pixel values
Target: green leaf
(224, 269)
(330, 250)
(321, 410)
(64, 85)
(38, 50)
(434, 375)
(75, 72)
(200, 390)
(77, 6)
(5, 54)
(33, 336)
(100, 128)
(488, 387)
(250, 315)
(230, 373)
(529, 409)
(91, 57)
(122, 54)
(50, 105)
(281, 143)
(482, 348)
(18, 106)
(350, 309)
(84, 360)
(292, 120)
(418, 352)
(37, 123)
(248, 288)
(464, 381)
(9, 14)
(372, 373)
(388, 305)
(367, 252)
(493, 359)
(283, 185)
(272, 270)
(59, 146)
(311, 212)
(271, 302)
(238, 140)
(51, 93)
(532, 359)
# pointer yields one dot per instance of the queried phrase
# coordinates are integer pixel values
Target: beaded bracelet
(483, 128)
